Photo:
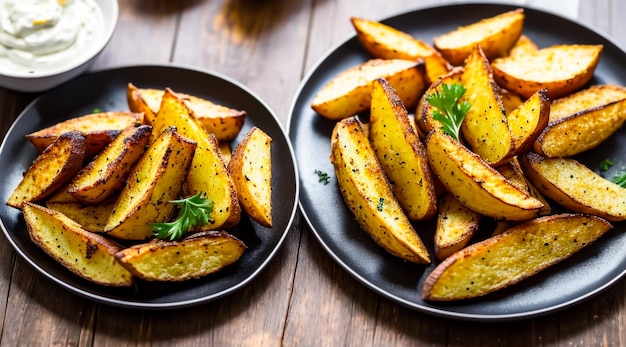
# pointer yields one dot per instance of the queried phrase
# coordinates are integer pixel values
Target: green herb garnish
(96, 110)
(620, 179)
(381, 202)
(194, 212)
(448, 109)
(323, 177)
(606, 164)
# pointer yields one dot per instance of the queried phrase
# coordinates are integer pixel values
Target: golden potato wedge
(350, 92)
(528, 121)
(513, 172)
(401, 153)
(195, 256)
(52, 169)
(250, 167)
(156, 179)
(524, 45)
(561, 69)
(512, 256)
(90, 217)
(225, 151)
(595, 96)
(107, 173)
(424, 112)
(510, 100)
(495, 35)
(474, 183)
(84, 253)
(208, 174)
(99, 130)
(436, 66)
(584, 128)
(368, 195)
(224, 122)
(485, 126)
(456, 224)
(575, 186)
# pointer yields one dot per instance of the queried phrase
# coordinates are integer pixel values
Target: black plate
(583, 275)
(106, 90)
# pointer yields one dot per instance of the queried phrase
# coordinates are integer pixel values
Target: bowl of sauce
(44, 43)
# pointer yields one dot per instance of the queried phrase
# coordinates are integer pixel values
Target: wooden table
(303, 298)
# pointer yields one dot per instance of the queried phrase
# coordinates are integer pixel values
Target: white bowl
(41, 79)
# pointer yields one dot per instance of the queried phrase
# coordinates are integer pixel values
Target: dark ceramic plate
(567, 283)
(106, 90)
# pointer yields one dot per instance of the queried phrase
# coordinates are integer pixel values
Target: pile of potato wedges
(531, 110)
(102, 180)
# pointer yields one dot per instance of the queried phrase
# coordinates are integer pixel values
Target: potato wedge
(485, 126)
(222, 121)
(84, 253)
(510, 100)
(350, 92)
(107, 173)
(456, 224)
(99, 130)
(513, 172)
(495, 35)
(225, 151)
(195, 256)
(368, 195)
(524, 45)
(52, 169)
(156, 179)
(575, 186)
(561, 69)
(528, 121)
(401, 153)
(474, 183)
(584, 129)
(512, 256)
(250, 167)
(208, 174)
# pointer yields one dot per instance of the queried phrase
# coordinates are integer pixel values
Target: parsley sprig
(448, 109)
(620, 179)
(194, 212)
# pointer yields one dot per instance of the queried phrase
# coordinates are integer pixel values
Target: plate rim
(431, 310)
(97, 298)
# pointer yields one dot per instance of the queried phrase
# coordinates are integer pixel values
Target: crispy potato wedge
(510, 100)
(250, 167)
(513, 172)
(575, 186)
(350, 92)
(528, 121)
(401, 153)
(222, 121)
(496, 35)
(436, 66)
(512, 256)
(207, 174)
(52, 169)
(107, 173)
(424, 112)
(84, 253)
(561, 69)
(586, 127)
(195, 256)
(90, 217)
(99, 130)
(474, 183)
(485, 126)
(156, 179)
(456, 224)
(225, 151)
(368, 195)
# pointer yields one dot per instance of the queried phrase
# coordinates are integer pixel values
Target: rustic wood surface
(303, 298)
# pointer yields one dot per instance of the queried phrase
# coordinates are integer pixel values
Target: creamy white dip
(45, 35)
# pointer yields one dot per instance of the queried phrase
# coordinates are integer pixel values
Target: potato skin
(368, 195)
(512, 256)
(53, 168)
(194, 256)
(84, 253)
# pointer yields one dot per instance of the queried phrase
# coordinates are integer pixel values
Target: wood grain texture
(303, 297)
